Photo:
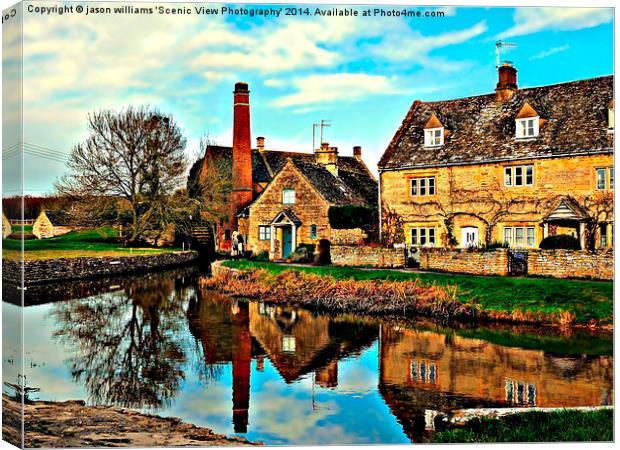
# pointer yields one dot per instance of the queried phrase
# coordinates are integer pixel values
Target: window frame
(422, 186)
(431, 135)
(526, 171)
(511, 240)
(314, 231)
(287, 195)
(264, 232)
(523, 127)
(428, 234)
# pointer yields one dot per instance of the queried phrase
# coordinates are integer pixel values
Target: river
(281, 375)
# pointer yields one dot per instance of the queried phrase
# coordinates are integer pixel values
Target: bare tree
(136, 155)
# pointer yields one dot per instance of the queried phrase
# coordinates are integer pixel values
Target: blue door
(287, 242)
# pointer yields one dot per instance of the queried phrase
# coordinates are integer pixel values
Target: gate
(517, 262)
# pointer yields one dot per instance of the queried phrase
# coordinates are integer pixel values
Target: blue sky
(361, 73)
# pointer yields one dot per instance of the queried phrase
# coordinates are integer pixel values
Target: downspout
(380, 211)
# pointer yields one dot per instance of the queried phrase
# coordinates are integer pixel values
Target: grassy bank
(535, 426)
(517, 299)
(101, 241)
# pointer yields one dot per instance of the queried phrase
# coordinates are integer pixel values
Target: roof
(566, 209)
(482, 129)
(353, 185)
(58, 218)
(289, 214)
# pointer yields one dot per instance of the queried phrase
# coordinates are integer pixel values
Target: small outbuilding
(51, 223)
(6, 226)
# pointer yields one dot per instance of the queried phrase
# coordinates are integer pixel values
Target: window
(527, 128)
(519, 175)
(288, 344)
(610, 118)
(288, 196)
(601, 178)
(603, 234)
(611, 178)
(314, 231)
(422, 186)
(264, 233)
(433, 137)
(520, 236)
(423, 236)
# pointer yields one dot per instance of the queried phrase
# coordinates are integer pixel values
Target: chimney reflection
(241, 366)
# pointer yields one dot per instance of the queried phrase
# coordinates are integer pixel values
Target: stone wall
(350, 236)
(493, 262)
(343, 255)
(46, 270)
(571, 264)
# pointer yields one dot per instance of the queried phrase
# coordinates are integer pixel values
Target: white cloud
(337, 87)
(550, 52)
(533, 20)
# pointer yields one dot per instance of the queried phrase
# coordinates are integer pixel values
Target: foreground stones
(72, 424)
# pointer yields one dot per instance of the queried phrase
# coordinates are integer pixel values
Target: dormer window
(433, 132)
(527, 128)
(433, 137)
(610, 116)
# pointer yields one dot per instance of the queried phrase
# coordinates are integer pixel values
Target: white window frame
(510, 175)
(426, 234)
(433, 137)
(510, 236)
(610, 119)
(417, 185)
(600, 170)
(288, 196)
(528, 127)
(264, 232)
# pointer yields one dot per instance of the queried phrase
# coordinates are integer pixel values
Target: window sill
(526, 139)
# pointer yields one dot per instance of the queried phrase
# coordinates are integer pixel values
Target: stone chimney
(357, 152)
(241, 153)
(507, 84)
(328, 156)
(260, 144)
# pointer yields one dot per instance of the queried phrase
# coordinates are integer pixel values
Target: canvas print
(300, 224)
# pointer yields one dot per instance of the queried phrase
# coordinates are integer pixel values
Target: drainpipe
(380, 212)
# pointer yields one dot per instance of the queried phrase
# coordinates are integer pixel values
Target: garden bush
(560, 242)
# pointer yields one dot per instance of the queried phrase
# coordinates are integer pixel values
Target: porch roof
(288, 214)
(567, 209)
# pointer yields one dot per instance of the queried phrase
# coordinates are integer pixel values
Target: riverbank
(495, 298)
(71, 424)
(38, 271)
(535, 426)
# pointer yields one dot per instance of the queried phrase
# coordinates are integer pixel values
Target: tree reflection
(125, 345)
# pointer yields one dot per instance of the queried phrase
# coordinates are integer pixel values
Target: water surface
(161, 344)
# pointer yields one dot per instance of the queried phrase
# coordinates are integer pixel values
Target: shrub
(497, 244)
(560, 241)
(310, 248)
(352, 216)
(324, 248)
(262, 256)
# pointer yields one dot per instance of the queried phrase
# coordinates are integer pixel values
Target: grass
(587, 301)
(101, 241)
(535, 426)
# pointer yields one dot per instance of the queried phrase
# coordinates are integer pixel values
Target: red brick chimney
(357, 152)
(242, 153)
(507, 84)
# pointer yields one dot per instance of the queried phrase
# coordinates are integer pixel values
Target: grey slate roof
(58, 218)
(482, 129)
(353, 185)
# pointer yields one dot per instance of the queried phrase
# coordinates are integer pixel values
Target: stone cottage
(281, 199)
(510, 167)
(51, 223)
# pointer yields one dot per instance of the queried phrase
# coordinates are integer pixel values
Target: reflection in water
(287, 375)
(124, 343)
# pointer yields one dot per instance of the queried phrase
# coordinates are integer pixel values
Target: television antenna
(322, 124)
(498, 48)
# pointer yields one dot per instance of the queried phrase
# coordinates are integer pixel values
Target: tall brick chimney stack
(507, 84)
(357, 152)
(242, 153)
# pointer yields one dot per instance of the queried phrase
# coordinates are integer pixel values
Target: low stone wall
(350, 236)
(494, 262)
(571, 264)
(344, 255)
(46, 270)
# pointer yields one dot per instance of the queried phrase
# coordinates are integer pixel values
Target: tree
(393, 229)
(136, 155)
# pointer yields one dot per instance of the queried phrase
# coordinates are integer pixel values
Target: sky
(361, 73)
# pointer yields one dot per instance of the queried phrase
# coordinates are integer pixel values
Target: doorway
(287, 242)
(469, 237)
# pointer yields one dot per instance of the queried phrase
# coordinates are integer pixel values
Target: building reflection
(295, 341)
(423, 370)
